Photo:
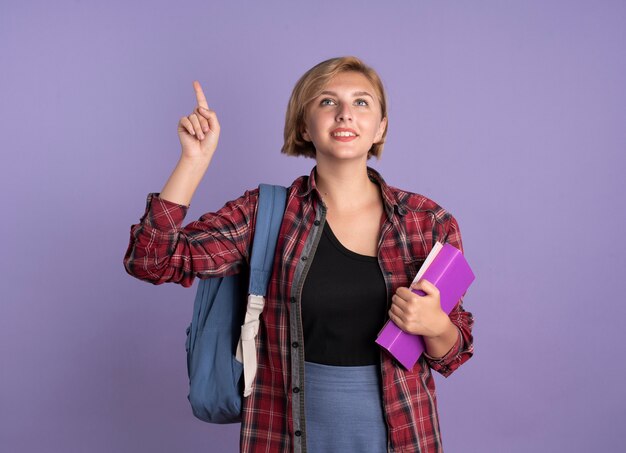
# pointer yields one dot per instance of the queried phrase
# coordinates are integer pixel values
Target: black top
(344, 303)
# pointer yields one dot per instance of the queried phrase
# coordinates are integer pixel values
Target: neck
(345, 185)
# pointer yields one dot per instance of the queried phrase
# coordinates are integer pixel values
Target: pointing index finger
(200, 95)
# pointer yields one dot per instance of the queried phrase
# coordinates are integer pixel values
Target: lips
(343, 134)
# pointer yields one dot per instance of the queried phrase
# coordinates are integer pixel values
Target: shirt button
(293, 300)
(304, 258)
(296, 390)
(389, 274)
(295, 344)
(298, 433)
(316, 223)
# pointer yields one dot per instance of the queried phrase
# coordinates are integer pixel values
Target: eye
(361, 103)
(327, 101)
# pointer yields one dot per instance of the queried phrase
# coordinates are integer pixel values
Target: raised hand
(199, 132)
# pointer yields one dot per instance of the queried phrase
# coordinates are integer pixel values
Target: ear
(305, 135)
(381, 130)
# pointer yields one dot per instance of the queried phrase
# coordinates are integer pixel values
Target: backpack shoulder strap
(269, 216)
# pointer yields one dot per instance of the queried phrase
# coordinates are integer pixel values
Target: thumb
(423, 287)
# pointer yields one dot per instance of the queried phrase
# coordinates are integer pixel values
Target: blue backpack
(221, 337)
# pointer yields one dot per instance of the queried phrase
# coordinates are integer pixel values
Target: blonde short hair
(310, 85)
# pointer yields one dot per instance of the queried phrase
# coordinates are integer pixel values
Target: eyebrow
(356, 93)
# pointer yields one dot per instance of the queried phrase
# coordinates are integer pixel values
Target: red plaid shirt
(218, 244)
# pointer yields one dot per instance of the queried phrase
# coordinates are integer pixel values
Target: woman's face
(345, 119)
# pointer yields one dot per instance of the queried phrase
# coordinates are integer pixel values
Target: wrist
(439, 346)
(184, 180)
(444, 327)
(194, 163)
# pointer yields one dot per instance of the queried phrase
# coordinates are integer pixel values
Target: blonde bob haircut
(309, 87)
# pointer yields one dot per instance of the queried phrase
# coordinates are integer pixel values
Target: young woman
(348, 248)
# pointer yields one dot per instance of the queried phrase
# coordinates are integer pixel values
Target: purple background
(521, 106)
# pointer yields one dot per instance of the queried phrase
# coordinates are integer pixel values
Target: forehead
(350, 81)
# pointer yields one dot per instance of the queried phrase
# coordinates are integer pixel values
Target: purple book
(446, 268)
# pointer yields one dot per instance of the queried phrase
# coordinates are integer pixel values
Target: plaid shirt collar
(306, 186)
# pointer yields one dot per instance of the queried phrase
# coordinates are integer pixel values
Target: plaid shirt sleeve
(463, 349)
(161, 250)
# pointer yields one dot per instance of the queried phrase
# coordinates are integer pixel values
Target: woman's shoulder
(418, 211)
(250, 197)
(405, 200)
(416, 202)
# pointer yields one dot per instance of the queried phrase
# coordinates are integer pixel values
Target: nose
(345, 112)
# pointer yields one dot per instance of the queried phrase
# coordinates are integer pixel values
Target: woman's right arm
(160, 250)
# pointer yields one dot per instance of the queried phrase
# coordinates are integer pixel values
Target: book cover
(447, 269)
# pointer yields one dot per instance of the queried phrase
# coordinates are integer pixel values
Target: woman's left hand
(419, 315)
